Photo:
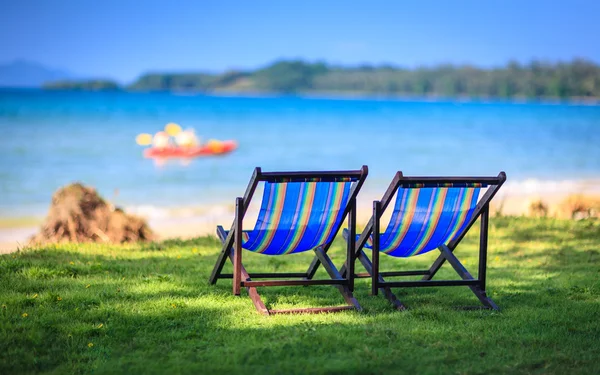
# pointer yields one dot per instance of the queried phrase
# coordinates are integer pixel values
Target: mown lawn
(149, 309)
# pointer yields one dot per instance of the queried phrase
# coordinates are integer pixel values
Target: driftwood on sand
(79, 214)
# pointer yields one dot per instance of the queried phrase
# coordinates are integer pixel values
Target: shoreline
(516, 192)
(340, 95)
(558, 200)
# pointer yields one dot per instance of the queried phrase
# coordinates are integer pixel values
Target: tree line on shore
(577, 78)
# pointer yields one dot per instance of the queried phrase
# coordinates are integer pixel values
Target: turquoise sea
(52, 138)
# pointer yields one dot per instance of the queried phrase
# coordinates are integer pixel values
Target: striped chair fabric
(427, 216)
(298, 216)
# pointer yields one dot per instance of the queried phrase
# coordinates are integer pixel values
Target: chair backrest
(426, 216)
(296, 216)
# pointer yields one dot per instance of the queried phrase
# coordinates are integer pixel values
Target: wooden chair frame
(477, 285)
(232, 246)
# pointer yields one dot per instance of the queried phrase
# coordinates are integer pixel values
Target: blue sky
(122, 39)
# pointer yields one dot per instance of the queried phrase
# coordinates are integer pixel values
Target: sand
(512, 202)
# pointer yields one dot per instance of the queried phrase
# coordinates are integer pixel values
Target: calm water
(53, 138)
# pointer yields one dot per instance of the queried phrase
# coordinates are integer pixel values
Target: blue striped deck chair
(429, 213)
(300, 211)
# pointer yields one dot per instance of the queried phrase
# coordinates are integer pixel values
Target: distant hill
(21, 73)
(86, 85)
(537, 79)
(577, 78)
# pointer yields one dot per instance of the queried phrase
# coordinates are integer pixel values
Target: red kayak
(221, 148)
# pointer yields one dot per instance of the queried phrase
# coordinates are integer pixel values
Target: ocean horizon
(52, 138)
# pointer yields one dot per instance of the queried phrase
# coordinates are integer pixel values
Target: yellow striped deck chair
(429, 213)
(300, 211)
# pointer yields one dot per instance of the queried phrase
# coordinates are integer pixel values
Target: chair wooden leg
(437, 264)
(315, 263)
(223, 255)
(350, 244)
(375, 252)
(387, 292)
(335, 274)
(237, 244)
(252, 292)
(368, 266)
(477, 290)
(465, 275)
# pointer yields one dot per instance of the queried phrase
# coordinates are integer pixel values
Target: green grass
(149, 309)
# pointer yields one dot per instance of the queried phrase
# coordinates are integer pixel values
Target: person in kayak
(161, 140)
(187, 139)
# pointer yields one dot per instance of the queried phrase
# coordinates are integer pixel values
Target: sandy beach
(512, 200)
